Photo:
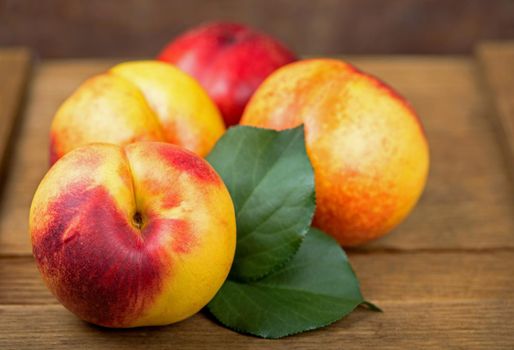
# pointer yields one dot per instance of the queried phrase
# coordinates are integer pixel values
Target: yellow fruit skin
(114, 268)
(188, 116)
(137, 101)
(366, 144)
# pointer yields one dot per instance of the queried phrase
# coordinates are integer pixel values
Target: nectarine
(137, 101)
(131, 236)
(366, 144)
(230, 60)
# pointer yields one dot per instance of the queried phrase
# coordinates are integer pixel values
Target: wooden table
(444, 278)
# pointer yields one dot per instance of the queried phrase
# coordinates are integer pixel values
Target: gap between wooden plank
(384, 277)
(14, 73)
(364, 250)
(496, 60)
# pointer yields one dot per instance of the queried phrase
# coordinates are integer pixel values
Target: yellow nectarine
(366, 144)
(137, 101)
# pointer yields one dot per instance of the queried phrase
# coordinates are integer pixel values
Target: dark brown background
(60, 28)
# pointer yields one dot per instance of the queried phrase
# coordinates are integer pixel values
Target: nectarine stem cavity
(137, 220)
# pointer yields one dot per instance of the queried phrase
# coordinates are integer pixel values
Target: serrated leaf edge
(310, 328)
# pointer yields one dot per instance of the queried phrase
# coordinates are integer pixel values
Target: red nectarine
(230, 60)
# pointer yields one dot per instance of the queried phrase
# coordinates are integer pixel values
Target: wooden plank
(384, 277)
(497, 62)
(468, 202)
(430, 300)
(20, 283)
(14, 72)
(433, 300)
(428, 325)
(444, 278)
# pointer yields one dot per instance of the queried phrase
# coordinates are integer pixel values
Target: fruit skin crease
(137, 101)
(112, 270)
(366, 144)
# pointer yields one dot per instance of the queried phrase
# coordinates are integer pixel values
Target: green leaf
(316, 288)
(271, 181)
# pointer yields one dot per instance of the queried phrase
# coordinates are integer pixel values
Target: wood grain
(14, 71)
(384, 277)
(402, 325)
(467, 204)
(497, 62)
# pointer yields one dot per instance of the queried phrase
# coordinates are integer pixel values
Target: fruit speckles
(165, 201)
(395, 95)
(185, 161)
(97, 268)
(182, 239)
(361, 219)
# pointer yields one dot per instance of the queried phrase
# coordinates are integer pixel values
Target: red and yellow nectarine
(366, 144)
(131, 236)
